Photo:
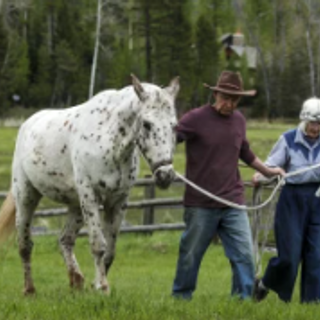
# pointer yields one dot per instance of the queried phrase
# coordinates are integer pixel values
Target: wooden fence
(150, 203)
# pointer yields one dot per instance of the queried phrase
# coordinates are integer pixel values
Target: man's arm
(268, 172)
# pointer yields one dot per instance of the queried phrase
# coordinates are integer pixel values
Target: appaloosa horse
(87, 157)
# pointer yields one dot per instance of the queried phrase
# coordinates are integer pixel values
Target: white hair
(310, 112)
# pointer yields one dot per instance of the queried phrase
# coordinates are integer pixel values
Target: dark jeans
(233, 228)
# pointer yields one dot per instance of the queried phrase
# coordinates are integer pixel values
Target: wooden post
(255, 226)
(149, 193)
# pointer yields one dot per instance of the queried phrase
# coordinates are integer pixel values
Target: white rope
(243, 207)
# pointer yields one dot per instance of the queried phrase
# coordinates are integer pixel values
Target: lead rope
(281, 182)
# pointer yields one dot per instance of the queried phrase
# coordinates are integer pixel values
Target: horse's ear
(174, 87)
(138, 88)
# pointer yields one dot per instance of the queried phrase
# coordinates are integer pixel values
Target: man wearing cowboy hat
(215, 137)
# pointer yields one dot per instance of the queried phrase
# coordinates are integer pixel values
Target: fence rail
(150, 203)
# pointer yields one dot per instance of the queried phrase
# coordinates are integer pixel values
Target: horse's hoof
(29, 291)
(76, 281)
(105, 288)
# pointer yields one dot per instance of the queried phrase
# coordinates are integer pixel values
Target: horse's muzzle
(164, 175)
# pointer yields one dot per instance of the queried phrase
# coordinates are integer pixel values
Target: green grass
(140, 278)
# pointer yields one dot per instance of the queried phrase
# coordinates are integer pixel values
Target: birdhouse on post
(235, 49)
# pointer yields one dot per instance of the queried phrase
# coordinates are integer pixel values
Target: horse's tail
(7, 218)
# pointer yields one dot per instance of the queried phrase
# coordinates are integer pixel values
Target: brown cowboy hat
(231, 83)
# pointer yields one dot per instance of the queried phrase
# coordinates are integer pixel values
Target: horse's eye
(147, 125)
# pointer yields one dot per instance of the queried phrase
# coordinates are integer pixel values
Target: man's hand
(268, 172)
(276, 171)
(259, 179)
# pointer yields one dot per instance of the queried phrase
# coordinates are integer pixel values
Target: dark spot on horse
(56, 190)
(86, 196)
(122, 131)
(102, 183)
(83, 137)
(52, 173)
(64, 149)
(98, 138)
(66, 123)
(70, 127)
(147, 125)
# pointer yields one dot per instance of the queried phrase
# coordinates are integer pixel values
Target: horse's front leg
(90, 208)
(111, 223)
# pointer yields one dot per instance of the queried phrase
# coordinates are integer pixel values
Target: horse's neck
(116, 115)
(128, 133)
(126, 120)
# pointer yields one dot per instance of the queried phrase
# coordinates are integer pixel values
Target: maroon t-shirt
(214, 144)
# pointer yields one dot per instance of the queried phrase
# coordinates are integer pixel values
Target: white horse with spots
(87, 157)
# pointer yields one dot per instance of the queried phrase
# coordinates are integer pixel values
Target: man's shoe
(260, 292)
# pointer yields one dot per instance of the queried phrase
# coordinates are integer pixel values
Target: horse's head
(158, 119)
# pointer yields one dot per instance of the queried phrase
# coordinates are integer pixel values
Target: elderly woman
(297, 217)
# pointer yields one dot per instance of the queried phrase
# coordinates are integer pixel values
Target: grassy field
(140, 278)
(142, 274)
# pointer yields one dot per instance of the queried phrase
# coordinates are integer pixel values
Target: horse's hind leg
(67, 241)
(26, 199)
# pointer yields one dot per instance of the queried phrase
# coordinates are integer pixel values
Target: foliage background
(47, 46)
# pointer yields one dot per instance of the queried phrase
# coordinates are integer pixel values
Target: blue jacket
(293, 152)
